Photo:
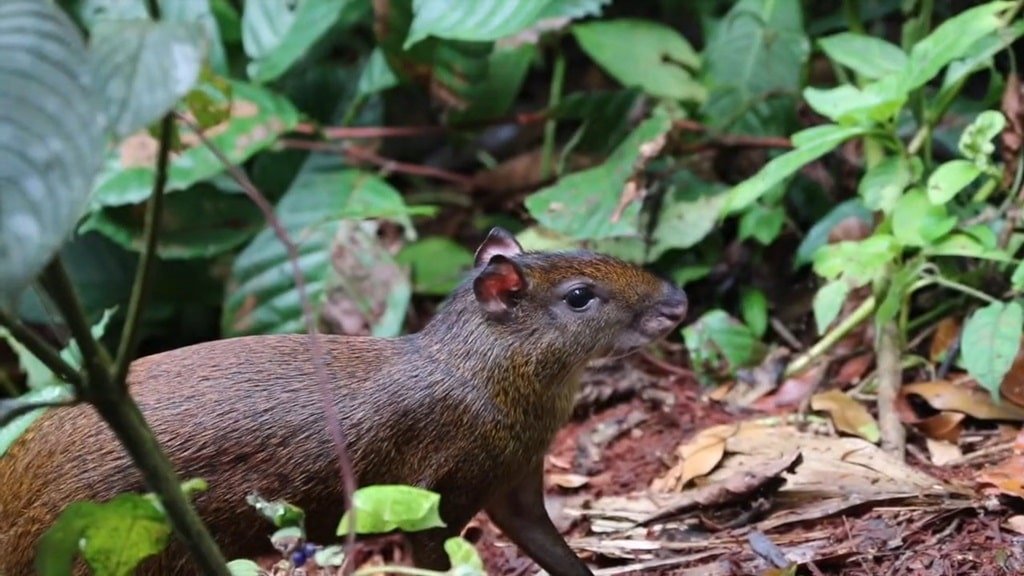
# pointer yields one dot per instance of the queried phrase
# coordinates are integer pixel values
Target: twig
(784, 333)
(144, 272)
(887, 351)
(11, 409)
(982, 454)
(46, 354)
(665, 366)
(348, 479)
(389, 165)
(830, 339)
(368, 132)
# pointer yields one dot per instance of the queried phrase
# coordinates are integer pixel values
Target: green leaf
(244, 567)
(896, 293)
(918, 222)
(762, 223)
(643, 54)
(949, 179)
(144, 68)
(330, 556)
(201, 14)
(979, 55)
(281, 513)
(811, 144)
(1017, 279)
(376, 75)
(482, 20)
(383, 508)
(884, 183)
(437, 263)
(967, 246)
(756, 52)
(828, 301)
(848, 104)
(585, 205)
(754, 306)
(691, 211)
(319, 212)
(464, 558)
(990, 342)
(113, 537)
(868, 56)
(716, 336)
(817, 236)
(276, 34)
(258, 116)
(949, 41)
(494, 94)
(605, 116)
(574, 9)
(859, 262)
(976, 141)
(51, 139)
(196, 223)
(11, 431)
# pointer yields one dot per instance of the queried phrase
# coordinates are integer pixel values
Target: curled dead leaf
(944, 395)
(1007, 477)
(697, 457)
(847, 414)
(945, 426)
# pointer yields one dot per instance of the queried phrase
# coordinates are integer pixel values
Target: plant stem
(835, 335)
(123, 415)
(41, 349)
(954, 285)
(554, 97)
(144, 272)
(887, 352)
(95, 357)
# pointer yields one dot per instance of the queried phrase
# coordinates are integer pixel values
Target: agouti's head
(581, 303)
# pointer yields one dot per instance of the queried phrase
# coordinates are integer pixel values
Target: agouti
(466, 407)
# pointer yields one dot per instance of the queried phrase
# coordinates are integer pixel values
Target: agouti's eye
(579, 297)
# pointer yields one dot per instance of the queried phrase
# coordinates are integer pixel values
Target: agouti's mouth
(668, 314)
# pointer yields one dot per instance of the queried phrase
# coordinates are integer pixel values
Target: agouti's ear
(499, 285)
(499, 241)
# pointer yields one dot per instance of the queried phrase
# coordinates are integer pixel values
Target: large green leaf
(691, 211)
(991, 339)
(811, 144)
(604, 115)
(258, 116)
(275, 34)
(480, 20)
(859, 262)
(196, 223)
(143, 68)
(847, 104)
(866, 55)
(437, 264)
(757, 52)
(950, 178)
(644, 54)
(384, 508)
(918, 222)
(495, 93)
(51, 137)
(818, 235)
(318, 212)
(884, 182)
(586, 205)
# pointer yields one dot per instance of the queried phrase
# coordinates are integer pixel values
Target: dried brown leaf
(943, 452)
(847, 414)
(947, 396)
(1007, 477)
(945, 334)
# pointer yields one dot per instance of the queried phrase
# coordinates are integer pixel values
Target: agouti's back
(467, 408)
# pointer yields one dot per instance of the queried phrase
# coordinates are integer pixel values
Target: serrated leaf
(868, 56)
(585, 205)
(990, 342)
(758, 49)
(817, 236)
(143, 68)
(51, 137)
(643, 54)
(811, 144)
(318, 212)
(383, 508)
(113, 537)
(859, 262)
(918, 222)
(481, 20)
(197, 223)
(884, 183)
(276, 34)
(949, 179)
(258, 116)
(828, 301)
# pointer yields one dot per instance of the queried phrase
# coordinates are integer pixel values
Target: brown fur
(467, 407)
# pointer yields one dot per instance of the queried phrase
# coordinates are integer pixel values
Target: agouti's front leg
(519, 512)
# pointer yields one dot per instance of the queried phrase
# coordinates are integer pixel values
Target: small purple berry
(309, 549)
(299, 558)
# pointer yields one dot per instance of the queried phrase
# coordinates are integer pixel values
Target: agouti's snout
(667, 313)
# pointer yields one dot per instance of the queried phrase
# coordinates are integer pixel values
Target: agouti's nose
(673, 307)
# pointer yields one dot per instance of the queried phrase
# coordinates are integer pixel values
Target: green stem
(41, 349)
(851, 11)
(832, 337)
(555, 96)
(124, 418)
(144, 272)
(95, 357)
(953, 284)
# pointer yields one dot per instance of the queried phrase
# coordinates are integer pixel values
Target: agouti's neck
(518, 370)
